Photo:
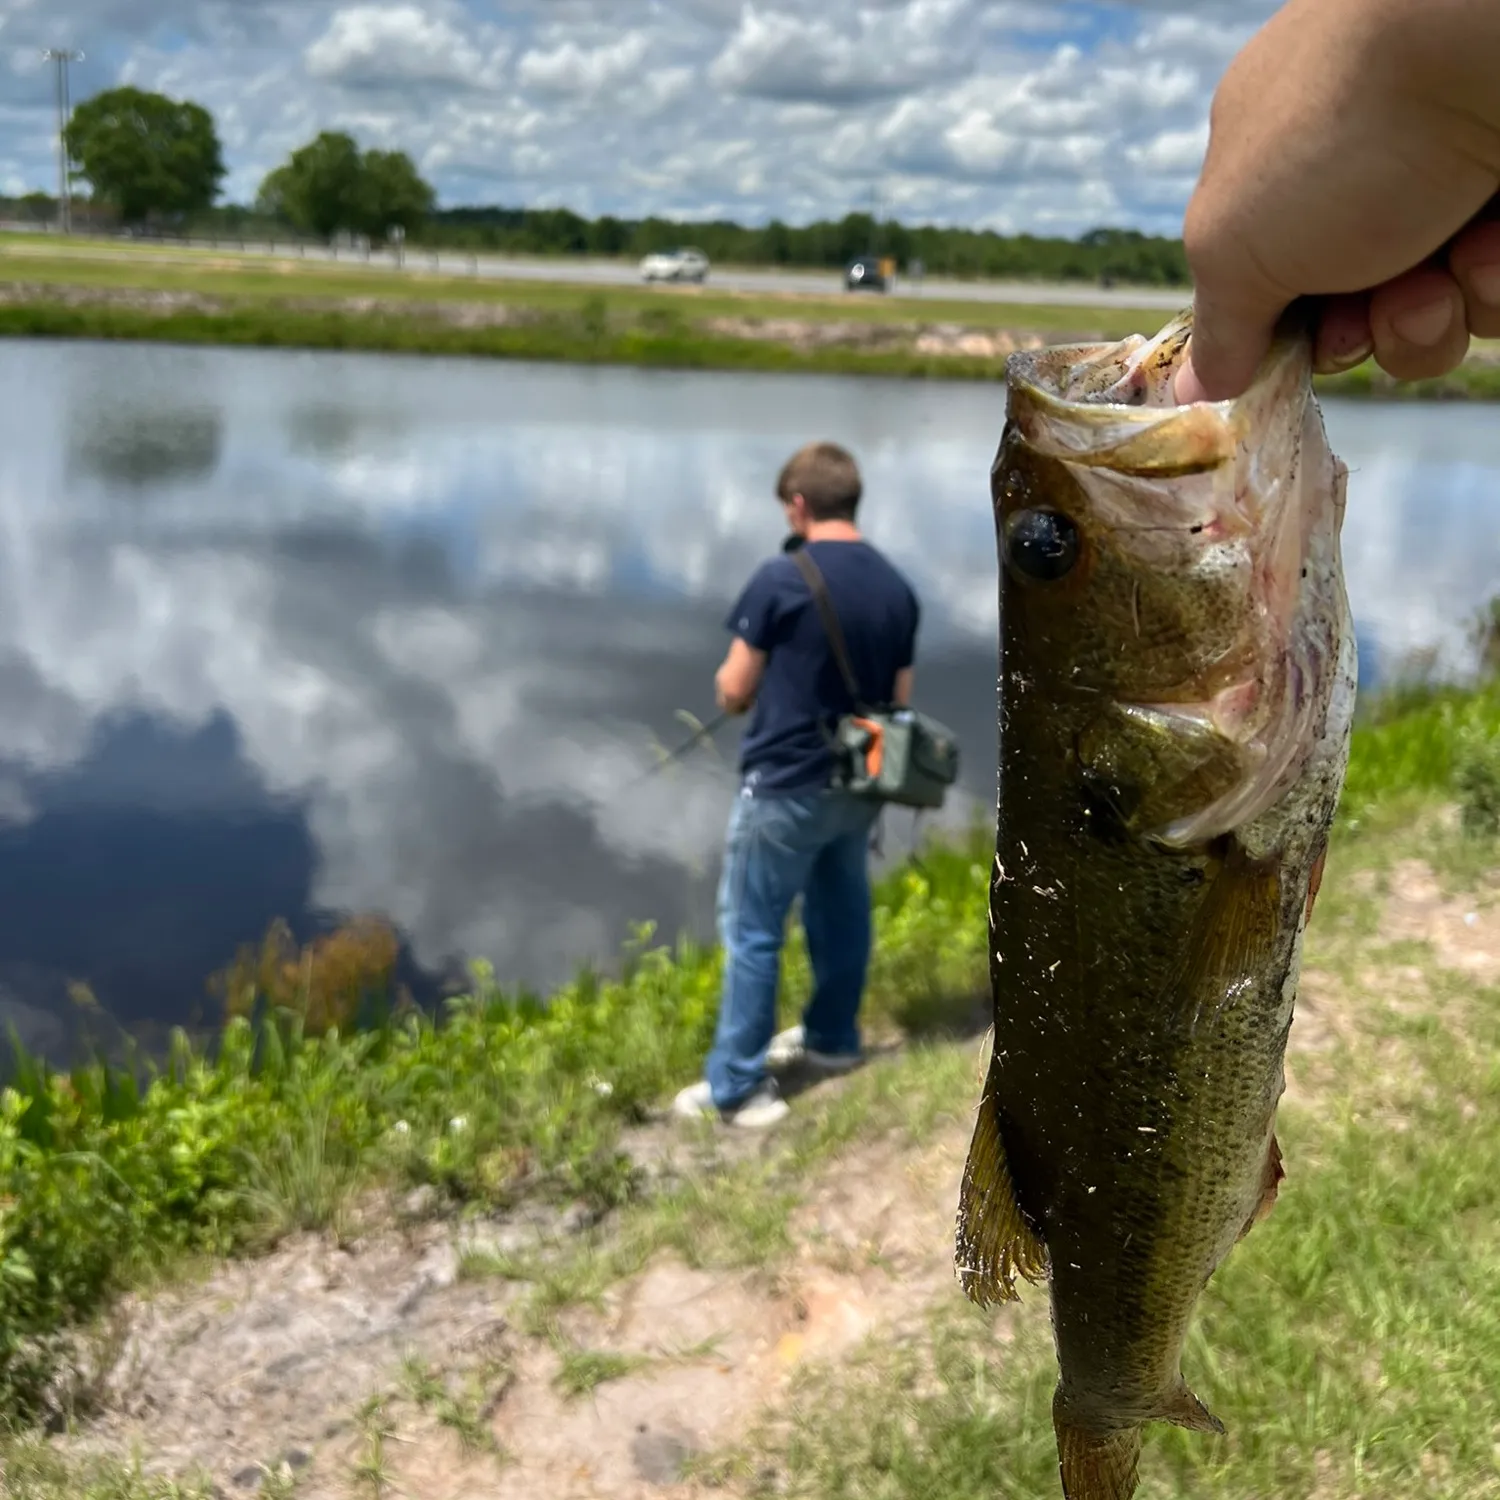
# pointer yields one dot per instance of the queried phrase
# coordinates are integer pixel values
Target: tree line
(157, 162)
(1123, 255)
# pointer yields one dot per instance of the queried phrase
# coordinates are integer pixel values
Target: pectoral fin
(995, 1243)
(1232, 939)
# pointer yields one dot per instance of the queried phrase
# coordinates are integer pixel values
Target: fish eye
(1041, 544)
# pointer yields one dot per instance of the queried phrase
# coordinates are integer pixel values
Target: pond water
(303, 635)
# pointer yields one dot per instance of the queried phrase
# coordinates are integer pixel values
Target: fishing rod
(715, 724)
(704, 732)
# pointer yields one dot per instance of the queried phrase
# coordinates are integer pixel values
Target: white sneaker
(763, 1108)
(695, 1101)
(789, 1048)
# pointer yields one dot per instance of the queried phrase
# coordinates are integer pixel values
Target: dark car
(864, 275)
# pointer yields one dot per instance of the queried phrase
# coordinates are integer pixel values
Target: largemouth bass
(1176, 694)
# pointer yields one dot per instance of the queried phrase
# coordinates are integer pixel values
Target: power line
(60, 58)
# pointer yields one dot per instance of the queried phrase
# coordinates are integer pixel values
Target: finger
(1475, 261)
(1419, 324)
(1225, 350)
(1344, 337)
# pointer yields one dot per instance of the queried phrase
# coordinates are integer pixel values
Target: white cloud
(779, 56)
(1009, 113)
(388, 46)
(1174, 152)
(571, 69)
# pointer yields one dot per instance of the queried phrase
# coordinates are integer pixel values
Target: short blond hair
(827, 477)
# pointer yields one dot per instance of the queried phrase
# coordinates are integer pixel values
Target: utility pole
(60, 57)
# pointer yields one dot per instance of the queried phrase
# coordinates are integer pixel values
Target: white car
(686, 264)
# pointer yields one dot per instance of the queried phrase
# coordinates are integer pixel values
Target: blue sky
(1048, 115)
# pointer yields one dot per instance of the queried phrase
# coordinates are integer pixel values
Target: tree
(145, 154)
(39, 206)
(330, 185)
(317, 190)
(392, 193)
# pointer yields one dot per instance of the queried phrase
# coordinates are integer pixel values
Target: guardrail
(356, 252)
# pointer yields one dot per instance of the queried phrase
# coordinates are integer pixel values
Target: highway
(585, 271)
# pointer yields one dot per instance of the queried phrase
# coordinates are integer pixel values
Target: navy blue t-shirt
(802, 694)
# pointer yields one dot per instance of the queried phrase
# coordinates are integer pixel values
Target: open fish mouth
(1234, 490)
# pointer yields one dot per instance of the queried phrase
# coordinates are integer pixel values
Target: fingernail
(1426, 325)
(1485, 283)
(1336, 362)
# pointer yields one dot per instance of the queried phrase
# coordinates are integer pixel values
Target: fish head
(1170, 577)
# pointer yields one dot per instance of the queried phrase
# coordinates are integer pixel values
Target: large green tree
(392, 193)
(330, 185)
(318, 189)
(146, 154)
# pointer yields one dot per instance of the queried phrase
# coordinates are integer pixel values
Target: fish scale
(1176, 697)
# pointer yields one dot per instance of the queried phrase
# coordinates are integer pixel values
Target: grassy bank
(1349, 1343)
(503, 1097)
(247, 303)
(255, 280)
(593, 336)
(279, 1130)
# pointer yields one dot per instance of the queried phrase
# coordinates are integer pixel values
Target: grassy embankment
(1391, 1238)
(1351, 1343)
(201, 298)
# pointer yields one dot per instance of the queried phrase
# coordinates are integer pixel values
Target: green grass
(1409, 748)
(370, 1471)
(31, 1469)
(1476, 380)
(255, 280)
(1351, 1344)
(261, 303)
(577, 339)
(660, 338)
(582, 1371)
(104, 1180)
(465, 1413)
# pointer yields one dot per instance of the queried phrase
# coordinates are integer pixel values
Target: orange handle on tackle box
(875, 750)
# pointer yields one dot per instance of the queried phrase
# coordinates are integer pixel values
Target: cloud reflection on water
(447, 606)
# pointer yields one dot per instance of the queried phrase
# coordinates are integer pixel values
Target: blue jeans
(816, 846)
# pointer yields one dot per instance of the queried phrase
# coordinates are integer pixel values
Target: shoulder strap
(814, 577)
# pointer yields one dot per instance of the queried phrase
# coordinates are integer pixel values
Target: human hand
(1354, 156)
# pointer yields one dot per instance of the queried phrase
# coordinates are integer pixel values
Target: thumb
(1226, 348)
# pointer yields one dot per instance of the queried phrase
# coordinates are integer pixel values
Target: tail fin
(1096, 1466)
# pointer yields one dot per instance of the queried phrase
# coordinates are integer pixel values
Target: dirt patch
(1464, 931)
(942, 340)
(301, 1362)
(269, 1360)
(976, 343)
